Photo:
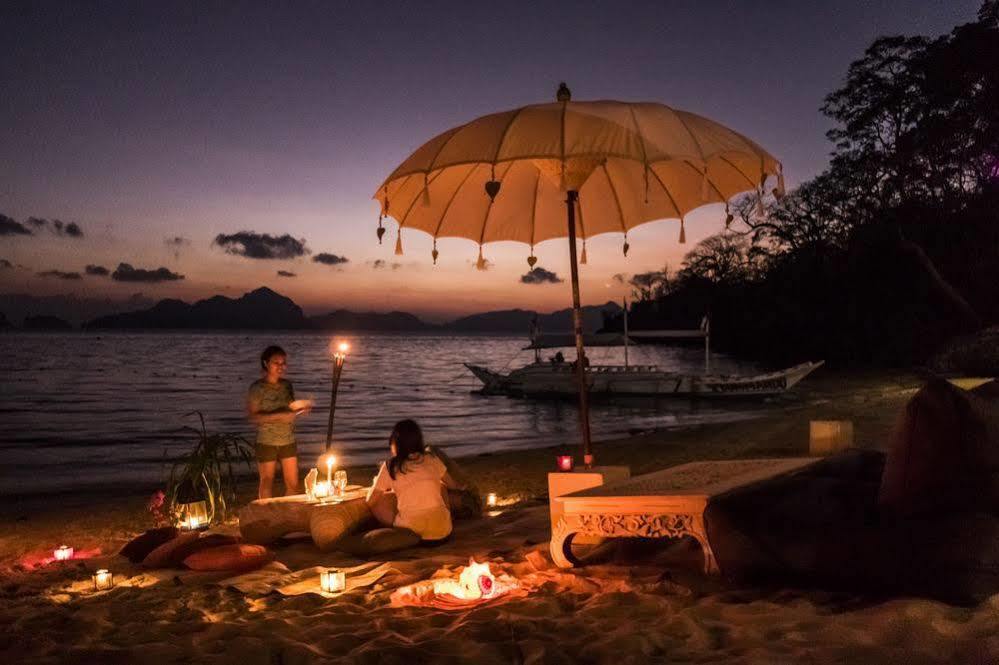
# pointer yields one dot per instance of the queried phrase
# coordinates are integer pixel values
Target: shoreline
(110, 515)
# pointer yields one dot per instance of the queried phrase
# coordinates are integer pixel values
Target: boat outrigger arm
(558, 340)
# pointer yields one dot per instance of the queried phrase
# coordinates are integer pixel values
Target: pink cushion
(164, 555)
(230, 558)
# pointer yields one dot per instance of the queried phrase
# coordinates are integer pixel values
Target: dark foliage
(888, 253)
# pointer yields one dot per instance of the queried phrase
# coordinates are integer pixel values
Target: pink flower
(485, 584)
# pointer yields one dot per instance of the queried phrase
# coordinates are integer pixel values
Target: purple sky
(147, 121)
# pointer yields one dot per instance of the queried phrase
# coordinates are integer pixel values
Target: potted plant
(202, 485)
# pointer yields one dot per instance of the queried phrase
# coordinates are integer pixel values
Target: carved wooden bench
(664, 504)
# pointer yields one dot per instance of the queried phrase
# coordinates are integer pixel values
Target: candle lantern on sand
(332, 580)
(564, 462)
(63, 553)
(193, 515)
(491, 499)
(103, 580)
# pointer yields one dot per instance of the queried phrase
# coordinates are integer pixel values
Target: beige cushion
(264, 522)
(329, 523)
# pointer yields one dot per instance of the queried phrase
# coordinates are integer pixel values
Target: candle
(103, 580)
(333, 580)
(330, 461)
(321, 490)
(491, 499)
(192, 523)
(63, 553)
(564, 462)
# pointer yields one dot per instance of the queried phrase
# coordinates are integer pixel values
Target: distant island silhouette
(265, 309)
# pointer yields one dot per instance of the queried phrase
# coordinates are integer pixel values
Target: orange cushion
(230, 557)
(164, 555)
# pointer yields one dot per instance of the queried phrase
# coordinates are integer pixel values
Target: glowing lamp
(103, 580)
(333, 580)
(193, 516)
(491, 499)
(564, 462)
(63, 553)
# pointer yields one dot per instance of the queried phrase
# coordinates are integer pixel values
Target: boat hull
(541, 379)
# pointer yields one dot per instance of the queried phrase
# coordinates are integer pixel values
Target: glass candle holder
(63, 553)
(491, 499)
(193, 516)
(564, 462)
(321, 490)
(339, 482)
(333, 580)
(103, 580)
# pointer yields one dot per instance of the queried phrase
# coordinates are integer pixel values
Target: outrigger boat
(559, 379)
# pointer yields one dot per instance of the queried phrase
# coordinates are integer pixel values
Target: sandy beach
(625, 608)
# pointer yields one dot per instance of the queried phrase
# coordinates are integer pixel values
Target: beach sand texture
(644, 602)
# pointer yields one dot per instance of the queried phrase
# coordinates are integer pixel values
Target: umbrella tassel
(426, 191)
(398, 243)
(435, 253)
(381, 229)
(626, 246)
(481, 263)
(582, 258)
(759, 204)
(683, 233)
(780, 191)
(532, 260)
(728, 217)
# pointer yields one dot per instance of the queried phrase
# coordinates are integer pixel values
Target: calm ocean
(86, 409)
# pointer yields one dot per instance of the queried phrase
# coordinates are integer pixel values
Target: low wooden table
(664, 504)
(263, 521)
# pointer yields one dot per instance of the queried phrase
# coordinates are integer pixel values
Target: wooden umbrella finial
(563, 94)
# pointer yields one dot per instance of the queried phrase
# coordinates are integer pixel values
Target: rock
(971, 355)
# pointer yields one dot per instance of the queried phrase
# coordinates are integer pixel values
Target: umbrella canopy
(630, 163)
(612, 165)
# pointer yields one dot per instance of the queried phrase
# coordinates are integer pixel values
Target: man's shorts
(267, 453)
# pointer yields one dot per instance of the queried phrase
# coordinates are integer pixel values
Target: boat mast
(625, 301)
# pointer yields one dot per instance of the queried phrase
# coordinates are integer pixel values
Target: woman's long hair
(408, 439)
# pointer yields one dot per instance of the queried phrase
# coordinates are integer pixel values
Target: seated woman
(419, 481)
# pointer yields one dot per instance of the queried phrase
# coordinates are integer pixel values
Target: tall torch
(339, 356)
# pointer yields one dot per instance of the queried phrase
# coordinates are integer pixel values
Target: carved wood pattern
(638, 526)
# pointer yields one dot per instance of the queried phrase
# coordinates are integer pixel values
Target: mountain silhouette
(261, 309)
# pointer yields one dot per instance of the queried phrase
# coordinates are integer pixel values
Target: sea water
(83, 410)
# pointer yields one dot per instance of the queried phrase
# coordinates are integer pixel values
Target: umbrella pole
(577, 321)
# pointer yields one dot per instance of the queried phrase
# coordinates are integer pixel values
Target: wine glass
(340, 482)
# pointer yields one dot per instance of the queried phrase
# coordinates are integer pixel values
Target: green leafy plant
(208, 473)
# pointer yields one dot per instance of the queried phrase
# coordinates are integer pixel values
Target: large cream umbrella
(534, 173)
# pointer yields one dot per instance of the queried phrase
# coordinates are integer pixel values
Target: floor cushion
(329, 523)
(943, 455)
(139, 547)
(186, 549)
(236, 558)
(378, 541)
(265, 521)
(164, 555)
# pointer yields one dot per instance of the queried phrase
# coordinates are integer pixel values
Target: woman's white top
(419, 496)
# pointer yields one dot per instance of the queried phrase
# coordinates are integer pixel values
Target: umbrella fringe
(582, 258)
(728, 217)
(626, 246)
(480, 264)
(435, 253)
(532, 260)
(398, 243)
(683, 233)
